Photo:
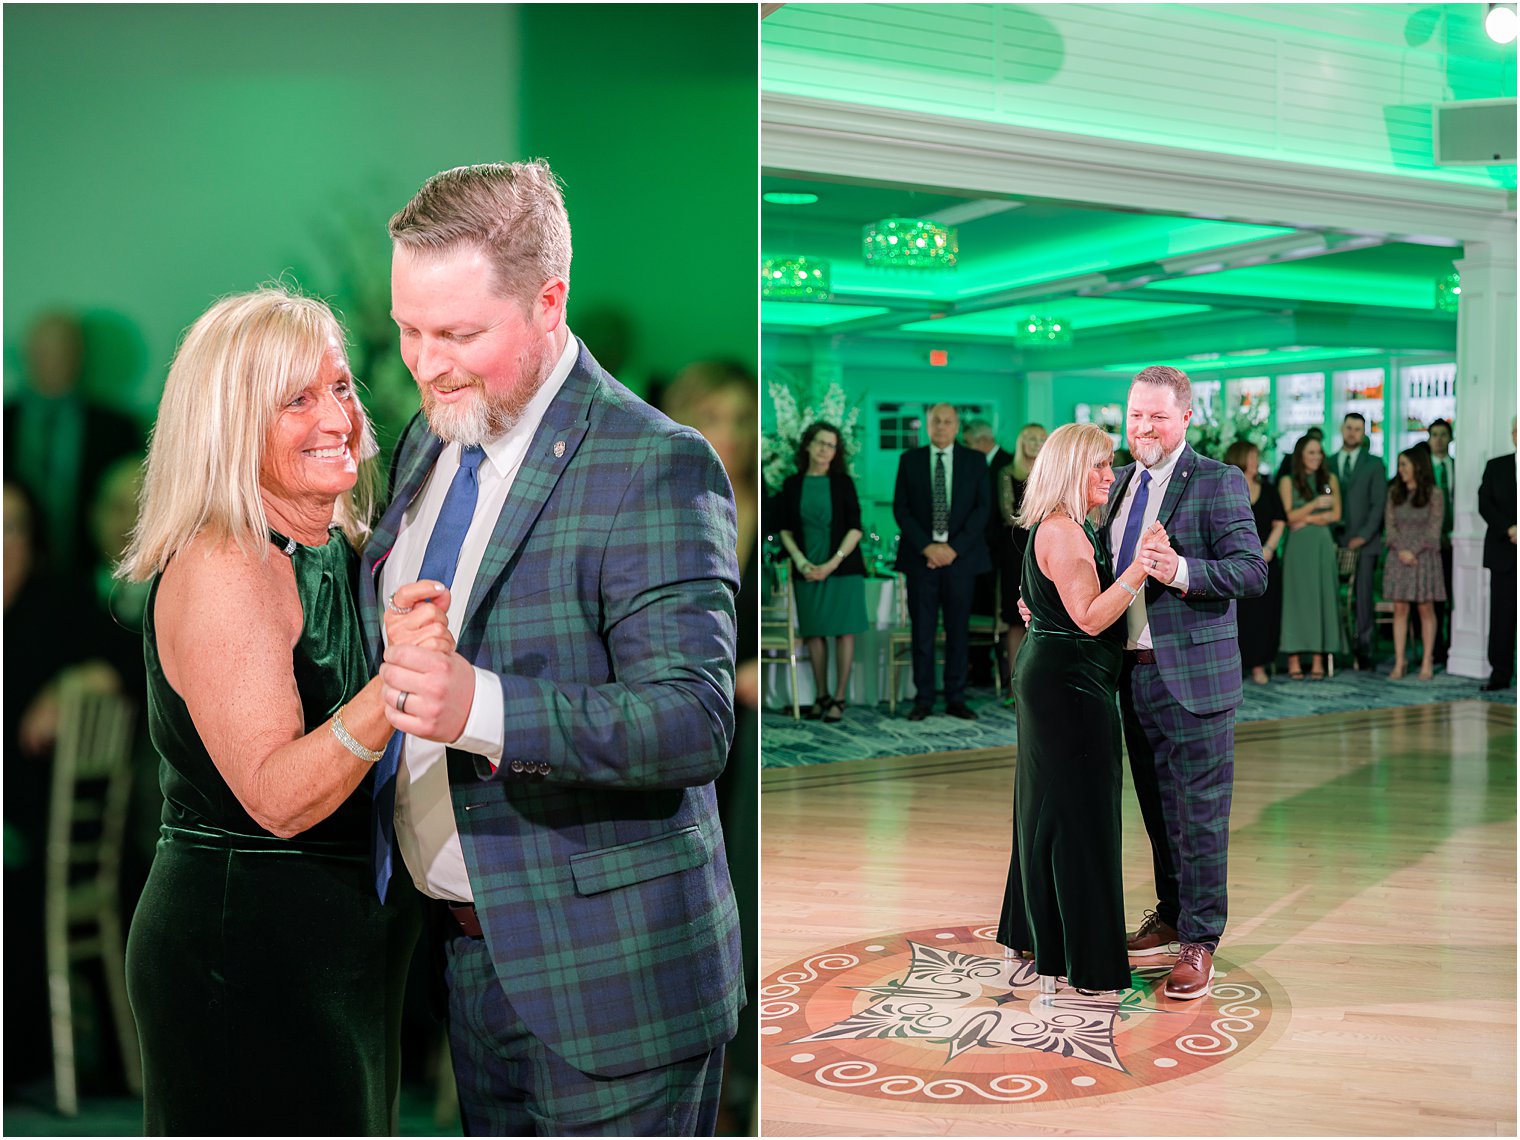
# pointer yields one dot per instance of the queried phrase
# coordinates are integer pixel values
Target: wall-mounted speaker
(1474, 132)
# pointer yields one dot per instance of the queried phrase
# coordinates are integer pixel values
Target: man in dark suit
(1496, 503)
(1180, 682)
(59, 444)
(979, 436)
(1364, 489)
(941, 504)
(1444, 468)
(553, 789)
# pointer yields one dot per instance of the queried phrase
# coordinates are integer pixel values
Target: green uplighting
(1086, 313)
(1308, 281)
(784, 198)
(1251, 360)
(796, 314)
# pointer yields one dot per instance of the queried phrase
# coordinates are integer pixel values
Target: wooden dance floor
(1366, 981)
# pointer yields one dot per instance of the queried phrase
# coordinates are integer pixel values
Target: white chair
(92, 783)
(778, 630)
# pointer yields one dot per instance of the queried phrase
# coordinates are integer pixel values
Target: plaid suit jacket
(605, 603)
(1207, 514)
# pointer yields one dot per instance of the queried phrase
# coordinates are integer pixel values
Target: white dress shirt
(1138, 624)
(426, 832)
(949, 454)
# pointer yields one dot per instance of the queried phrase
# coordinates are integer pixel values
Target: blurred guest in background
(1285, 468)
(979, 436)
(941, 503)
(1363, 489)
(820, 528)
(1496, 503)
(58, 443)
(1414, 514)
(1258, 618)
(1311, 500)
(265, 976)
(49, 634)
(1443, 469)
(1010, 497)
(720, 398)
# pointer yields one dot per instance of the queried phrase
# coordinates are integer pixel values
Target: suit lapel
(554, 445)
(411, 477)
(1181, 474)
(1115, 497)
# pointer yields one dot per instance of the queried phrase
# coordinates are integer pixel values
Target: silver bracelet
(346, 738)
(1133, 593)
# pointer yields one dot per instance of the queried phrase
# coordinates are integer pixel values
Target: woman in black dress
(1011, 482)
(1068, 780)
(265, 976)
(1258, 619)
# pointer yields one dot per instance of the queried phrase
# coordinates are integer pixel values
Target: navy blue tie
(439, 562)
(1133, 524)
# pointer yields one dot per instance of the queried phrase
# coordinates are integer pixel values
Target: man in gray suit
(1364, 486)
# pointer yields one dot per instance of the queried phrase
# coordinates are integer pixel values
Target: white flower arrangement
(797, 405)
(1213, 436)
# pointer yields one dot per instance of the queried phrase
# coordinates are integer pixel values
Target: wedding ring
(390, 604)
(401, 702)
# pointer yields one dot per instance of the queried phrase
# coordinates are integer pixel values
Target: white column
(1485, 402)
(1040, 401)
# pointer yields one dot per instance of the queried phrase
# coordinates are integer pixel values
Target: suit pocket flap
(628, 863)
(1212, 633)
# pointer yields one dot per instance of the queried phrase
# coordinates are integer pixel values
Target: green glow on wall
(1082, 313)
(808, 314)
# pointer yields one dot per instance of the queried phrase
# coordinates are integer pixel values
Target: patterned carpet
(867, 733)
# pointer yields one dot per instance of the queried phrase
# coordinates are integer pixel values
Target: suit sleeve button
(517, 766)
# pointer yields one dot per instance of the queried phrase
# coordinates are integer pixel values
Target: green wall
(649, 112)
(159, 156)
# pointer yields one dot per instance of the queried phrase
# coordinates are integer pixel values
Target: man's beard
(488, 416)
(1148, 451)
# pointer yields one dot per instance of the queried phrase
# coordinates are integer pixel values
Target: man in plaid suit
(1180, 682)
(555, 786)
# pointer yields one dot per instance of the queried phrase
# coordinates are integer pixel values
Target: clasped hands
(1155, 553)
(939, 554)
(426, 687)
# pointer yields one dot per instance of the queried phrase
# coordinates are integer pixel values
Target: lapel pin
(559, 448)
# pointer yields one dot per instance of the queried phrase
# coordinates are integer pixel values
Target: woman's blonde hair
(1058, 479)
(242, 361)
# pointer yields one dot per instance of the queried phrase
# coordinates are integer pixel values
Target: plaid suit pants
(1184, 768)
(512, 1084)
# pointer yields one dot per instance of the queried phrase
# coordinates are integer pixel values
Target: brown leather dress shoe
(1193, 975)
(960, 711)
(1153, 937)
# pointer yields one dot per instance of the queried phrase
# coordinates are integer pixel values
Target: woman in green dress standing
(819, 514)
(265, 976)
(1068, 778)
(1311, 618)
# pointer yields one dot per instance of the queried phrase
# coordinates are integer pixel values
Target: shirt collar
(506, 450)
(942, 450)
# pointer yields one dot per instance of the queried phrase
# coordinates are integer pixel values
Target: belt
(469, 922)
(1141, 656)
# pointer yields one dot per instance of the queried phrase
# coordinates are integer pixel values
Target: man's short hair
(1165, 376)
(513, 212)
(976, 429)
(1441, 423)
(1355, 416)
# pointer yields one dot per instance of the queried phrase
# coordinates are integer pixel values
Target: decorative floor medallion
(940, 1015)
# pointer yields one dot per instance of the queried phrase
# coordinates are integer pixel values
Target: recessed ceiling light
(789, 198)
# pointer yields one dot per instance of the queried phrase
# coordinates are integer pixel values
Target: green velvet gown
(265, 976)
(1066, 860)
